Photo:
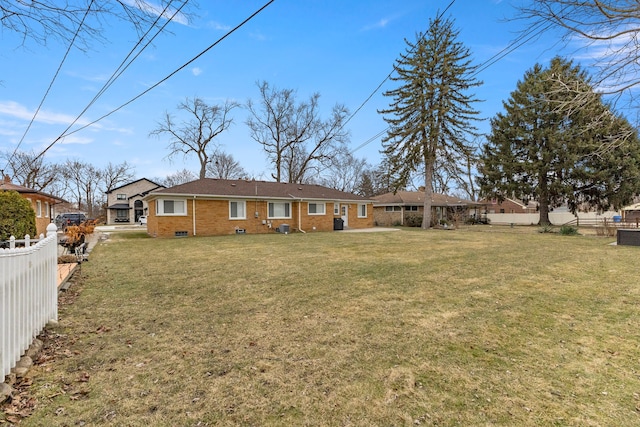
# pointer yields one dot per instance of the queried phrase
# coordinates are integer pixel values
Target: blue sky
(340, 49)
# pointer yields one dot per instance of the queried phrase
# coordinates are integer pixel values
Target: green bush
(413, 220)
(17, 217)
(545, 228)
(568, 230)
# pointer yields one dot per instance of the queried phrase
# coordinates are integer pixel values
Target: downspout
(299, 214)
(193, 214)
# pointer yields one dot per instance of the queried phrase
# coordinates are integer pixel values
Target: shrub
(545, 228)
(413, 220)
(568, 230)
(17, 217)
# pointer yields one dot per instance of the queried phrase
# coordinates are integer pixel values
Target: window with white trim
(362, 210)
(121, 196)
(46, 209)
(237, 209)
(168, 207)
(317, 208)
(392, 208)
(279, 210)
(336, 208)
(38, 208)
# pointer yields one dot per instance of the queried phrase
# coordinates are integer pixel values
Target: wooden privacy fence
(28, 295)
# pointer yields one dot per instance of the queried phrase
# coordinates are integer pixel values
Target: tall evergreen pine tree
(431, 111)
(538, 150)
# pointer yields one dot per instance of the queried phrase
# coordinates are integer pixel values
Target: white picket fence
(28, 296)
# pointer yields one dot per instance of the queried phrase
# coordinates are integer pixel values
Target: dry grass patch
(461, 327)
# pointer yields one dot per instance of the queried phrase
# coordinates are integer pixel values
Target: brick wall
(212, 219)
(44, 219)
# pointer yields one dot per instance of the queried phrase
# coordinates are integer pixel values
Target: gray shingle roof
(255, 189)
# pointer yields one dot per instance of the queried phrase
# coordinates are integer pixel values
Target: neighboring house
(395, 208)
(208, 207)
(508, 206)
(125, 204)
(42, 203)
(631, 213)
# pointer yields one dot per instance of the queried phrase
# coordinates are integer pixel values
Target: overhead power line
(118, 72)
(524, 38)
(176, 71)
(55, 76)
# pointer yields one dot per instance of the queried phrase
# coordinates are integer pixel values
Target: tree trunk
(543, 201)
(428, 195)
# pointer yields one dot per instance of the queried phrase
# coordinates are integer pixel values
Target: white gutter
(193, 214)
(299, 214)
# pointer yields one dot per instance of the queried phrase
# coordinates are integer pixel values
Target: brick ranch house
(509, 206)
(210, 207)
(42, 203)
(392, 209)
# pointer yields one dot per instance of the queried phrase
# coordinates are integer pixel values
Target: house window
(121, 196)
(46, 209)
(237, 210)
(411, 208)
(279, 210)
(362, 210)
(38, 208)
(171, 207)
(317, 208)
(122, 215)
(336, 208)
(392, 208)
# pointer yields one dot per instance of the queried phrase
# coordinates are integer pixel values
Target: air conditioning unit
(284, 228)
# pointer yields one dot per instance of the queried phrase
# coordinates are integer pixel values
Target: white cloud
(218, 26)
(18, 111)
(257, 36)
(157, 10)
(73, 139)
(380, 24)
(99, 78)
(196, 71)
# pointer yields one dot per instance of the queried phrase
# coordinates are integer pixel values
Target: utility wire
(55, 76)
(186, 64)
(117, 73)
(388, 76)
(515, 44)
(122, 67)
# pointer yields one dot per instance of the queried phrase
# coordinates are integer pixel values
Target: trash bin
(617, 218)
(338, 224)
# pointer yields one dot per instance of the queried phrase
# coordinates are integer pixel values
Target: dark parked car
(66, 219)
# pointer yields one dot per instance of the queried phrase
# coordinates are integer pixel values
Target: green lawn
(479, 326)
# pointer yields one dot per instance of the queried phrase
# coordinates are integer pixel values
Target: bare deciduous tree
(180, 177)
(224, 166)
(196, 134)
(293, 135)
(115, 175)
(611, 30)
(345, 171)
(31, 171)
(44, 20)
(83, 179)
